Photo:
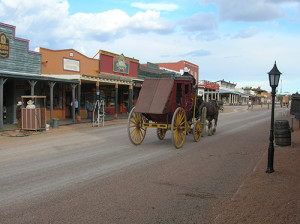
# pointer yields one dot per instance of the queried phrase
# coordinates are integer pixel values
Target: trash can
(55, 122)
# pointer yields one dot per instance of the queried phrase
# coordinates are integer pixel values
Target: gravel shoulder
(267, 198)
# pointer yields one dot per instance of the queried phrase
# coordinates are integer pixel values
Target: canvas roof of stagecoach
(154, 96)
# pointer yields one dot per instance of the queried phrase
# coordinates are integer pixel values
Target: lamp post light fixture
(274, 76)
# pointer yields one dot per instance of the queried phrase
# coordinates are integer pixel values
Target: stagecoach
(166, 104)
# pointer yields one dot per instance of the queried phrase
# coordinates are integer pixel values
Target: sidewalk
(68, 121)
(268, 198)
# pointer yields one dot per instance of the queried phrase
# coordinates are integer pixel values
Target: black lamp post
(274, 76)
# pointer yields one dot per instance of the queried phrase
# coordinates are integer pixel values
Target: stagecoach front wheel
(135, 129)
(178, 127)
(197, 131)
(161, 133)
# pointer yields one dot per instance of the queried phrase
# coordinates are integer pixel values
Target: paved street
(80, 174)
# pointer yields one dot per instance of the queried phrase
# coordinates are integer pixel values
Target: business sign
(120, 65)
(71, 65)
(4, 46)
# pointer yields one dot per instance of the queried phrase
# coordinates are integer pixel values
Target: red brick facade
(179, 66)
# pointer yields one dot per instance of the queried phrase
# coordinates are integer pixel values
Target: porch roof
(222, 91)
(102, 78)
(19, 75)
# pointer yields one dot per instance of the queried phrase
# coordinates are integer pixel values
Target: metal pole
(270, 168)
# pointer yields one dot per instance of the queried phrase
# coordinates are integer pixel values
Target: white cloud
(196, 53)
(199, 22)
(150, 20)
(247, 11)
(48, 23)
(36, 20)
(247, 33)
(101, 26)
(155, 6)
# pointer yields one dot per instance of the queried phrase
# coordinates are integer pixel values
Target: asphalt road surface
(95, 175)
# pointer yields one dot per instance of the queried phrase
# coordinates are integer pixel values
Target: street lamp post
(274, 76)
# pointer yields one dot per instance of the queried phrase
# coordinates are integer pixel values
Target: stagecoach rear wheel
(135, 129)
(197, 131)
(178, 127)
(161, 133)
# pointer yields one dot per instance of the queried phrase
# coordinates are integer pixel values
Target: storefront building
(210, 90)
(121, 72)
(229, 95)
(108, 78)
(179, 67)
(20, 75)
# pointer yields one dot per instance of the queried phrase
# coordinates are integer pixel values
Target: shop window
(126, 99)
(57, 95)
(112, 98)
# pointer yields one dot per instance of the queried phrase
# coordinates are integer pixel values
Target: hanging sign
(4, 46)
(120, 65)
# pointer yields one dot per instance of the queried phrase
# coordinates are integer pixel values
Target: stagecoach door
(187, 97)
(179, 94)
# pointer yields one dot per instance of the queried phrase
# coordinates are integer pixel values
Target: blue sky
(234, 40)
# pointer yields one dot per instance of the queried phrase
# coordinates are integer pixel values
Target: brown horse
(212, 113)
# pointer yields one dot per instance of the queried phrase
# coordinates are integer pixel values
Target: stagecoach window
(178, 93)
(179, 90)
(186, 90)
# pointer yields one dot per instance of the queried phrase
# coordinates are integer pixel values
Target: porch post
(97, 91)
(51, 84)
(207, 95)
(2, 81)
(116, 101)
(130, 98)
(79, 99)
(73, 102)
(32, 85)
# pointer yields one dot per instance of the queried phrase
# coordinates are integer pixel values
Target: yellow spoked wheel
(178, 127)
(135, 129)
(161, 133)
(197, 131)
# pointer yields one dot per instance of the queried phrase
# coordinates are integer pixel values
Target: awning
(18, 75)
(112, 79)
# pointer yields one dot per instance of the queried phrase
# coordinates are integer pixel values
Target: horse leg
(215, 125)
(209, 128)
